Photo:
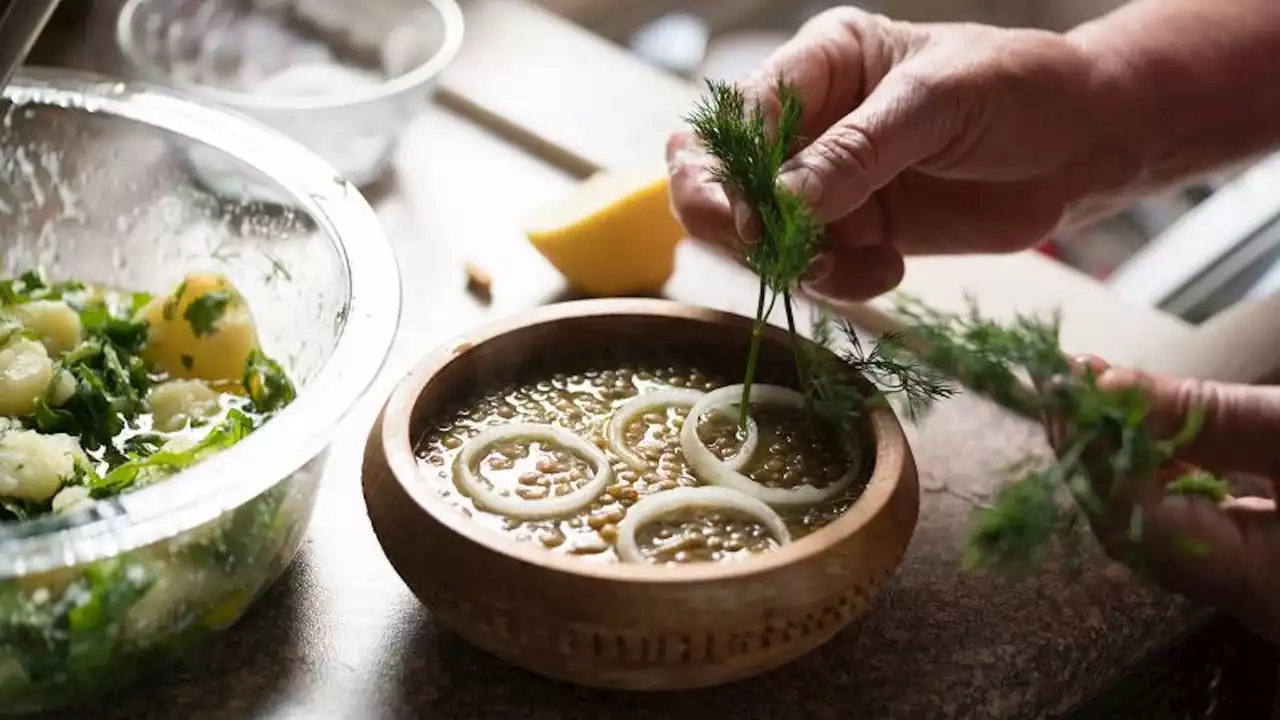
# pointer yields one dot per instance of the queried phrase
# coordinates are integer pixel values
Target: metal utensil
(20, 25)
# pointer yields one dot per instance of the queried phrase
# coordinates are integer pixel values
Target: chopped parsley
(268, 387)
(234, 428)
(204, 312)
(170, 309)
(34, 285)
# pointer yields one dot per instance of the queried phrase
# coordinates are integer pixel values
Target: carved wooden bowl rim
(891, 456)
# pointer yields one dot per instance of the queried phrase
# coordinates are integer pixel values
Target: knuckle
(845, 149)
(845, 17)
(1192, 395)
(939, 92)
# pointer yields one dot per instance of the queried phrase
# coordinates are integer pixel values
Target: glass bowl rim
(364, 330)
(449, 11)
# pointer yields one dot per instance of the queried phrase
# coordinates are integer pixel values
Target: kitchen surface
(340, 636)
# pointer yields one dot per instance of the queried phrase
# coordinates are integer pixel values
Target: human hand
(1235, 545)
(937, 138)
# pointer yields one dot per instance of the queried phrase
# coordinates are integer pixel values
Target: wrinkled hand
(939, 138)
(1237, 542)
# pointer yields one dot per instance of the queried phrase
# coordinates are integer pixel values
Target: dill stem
(753, 358)
(802, 369)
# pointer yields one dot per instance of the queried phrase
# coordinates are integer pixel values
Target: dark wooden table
(341, 637)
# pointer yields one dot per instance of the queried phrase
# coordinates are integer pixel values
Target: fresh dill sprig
(892, 371)
(751, 153)
(1018, 364)
(1048, 502)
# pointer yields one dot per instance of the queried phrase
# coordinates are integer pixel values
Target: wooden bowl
(627, 626)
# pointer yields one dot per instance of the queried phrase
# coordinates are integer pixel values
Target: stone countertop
(340, 636)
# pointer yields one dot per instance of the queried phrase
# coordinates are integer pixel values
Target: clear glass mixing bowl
(95, 185)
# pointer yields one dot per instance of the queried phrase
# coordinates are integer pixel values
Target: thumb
(906, 119)
(1241, 430)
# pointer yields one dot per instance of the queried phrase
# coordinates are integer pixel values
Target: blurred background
(727, 38)
(1177, 251)
(1158, 252)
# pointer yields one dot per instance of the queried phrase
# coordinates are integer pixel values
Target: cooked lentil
(703, 535)
(789, 455)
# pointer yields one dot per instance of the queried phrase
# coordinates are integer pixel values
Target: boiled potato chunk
(178, 403)
(71, 498)
(33, 466)
(211, 343)
(57, 325)
(25, 372)
(180, 588)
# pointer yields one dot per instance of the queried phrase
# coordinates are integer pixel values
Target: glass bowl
(95, 186)
(342, 77)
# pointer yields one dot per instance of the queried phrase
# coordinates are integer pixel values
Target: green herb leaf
(102, 321)
(265, 381)
(1200, 484)
(72, 638)
(110, 380)
(170, 308)
(234, 428)
(203, 312)
(34, 285)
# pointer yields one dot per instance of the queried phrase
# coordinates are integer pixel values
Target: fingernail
(802, 183)
(815, 282)
(744, 222)
(684, 157)
(1119, 379)
(819, 269)
(1083, 362)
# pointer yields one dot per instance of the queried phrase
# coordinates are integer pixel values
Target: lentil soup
(521, 468)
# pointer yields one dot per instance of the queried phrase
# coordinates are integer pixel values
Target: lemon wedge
(613, 235)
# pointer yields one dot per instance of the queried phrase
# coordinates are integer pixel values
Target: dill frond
(1046, 503)
(750, 156)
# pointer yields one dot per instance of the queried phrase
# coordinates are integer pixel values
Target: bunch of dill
(1018, 364)
(1103, 438)
(751, 152)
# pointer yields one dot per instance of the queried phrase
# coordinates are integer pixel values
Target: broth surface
(788, 454)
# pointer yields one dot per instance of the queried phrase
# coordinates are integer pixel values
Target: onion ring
(514, 506)
(665, 501)
(672, 397)
(712, 471)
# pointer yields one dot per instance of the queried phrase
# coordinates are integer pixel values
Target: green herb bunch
(1018, 364)
(1103, 442)
(751, 151)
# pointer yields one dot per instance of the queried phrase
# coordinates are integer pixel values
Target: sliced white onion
(665, 501)
(515, 506)
(661, 399)
(712, 471)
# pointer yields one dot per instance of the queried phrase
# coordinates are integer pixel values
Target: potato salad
(105, 391)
